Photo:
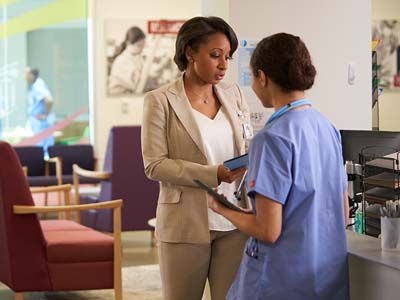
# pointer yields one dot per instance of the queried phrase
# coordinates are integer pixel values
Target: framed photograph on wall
(388, 52)
(139, 55)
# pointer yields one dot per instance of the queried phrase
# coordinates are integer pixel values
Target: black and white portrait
(388, 51)
(140, 55)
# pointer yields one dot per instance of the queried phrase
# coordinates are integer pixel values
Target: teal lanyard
(287, 108)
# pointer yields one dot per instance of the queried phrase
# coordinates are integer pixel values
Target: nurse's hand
(226, 175)
(41, 117)
(215, 206)
(218, 208)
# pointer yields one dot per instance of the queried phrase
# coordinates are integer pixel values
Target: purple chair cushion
(128, 182)
(83, 180)
(33, 158)
(42, 180)
(73, 154)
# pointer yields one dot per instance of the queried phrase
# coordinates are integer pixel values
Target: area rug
(139, 283)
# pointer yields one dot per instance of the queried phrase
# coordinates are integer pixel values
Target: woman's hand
(226, 175)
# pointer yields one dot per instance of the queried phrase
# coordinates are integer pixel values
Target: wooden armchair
(123, 177)
(67, 255)
(78, 172)
(37, 167)
(68, 155)
(64, 189)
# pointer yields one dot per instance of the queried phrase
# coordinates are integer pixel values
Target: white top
(125, 73)
(218, 140)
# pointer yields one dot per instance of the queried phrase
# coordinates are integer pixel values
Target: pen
(239, 188)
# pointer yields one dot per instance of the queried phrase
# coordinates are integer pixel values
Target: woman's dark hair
(285, 59)
(133, 35)
(196, 31)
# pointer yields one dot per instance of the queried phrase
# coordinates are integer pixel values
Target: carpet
(139, 283)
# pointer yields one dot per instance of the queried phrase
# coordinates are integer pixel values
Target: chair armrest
(91, 174)
(96, 164)
(51, 188)
(78, 171)
(25, 170)
(115, 205)
(55, 159)
(61, 189)
(58, 161)
(25, 209)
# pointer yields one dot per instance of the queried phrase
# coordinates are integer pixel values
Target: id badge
(247, 131)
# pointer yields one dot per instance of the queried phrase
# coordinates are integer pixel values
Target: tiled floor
(138, 249)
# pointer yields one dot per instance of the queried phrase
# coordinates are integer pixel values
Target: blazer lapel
(180, 104)
(227, 101)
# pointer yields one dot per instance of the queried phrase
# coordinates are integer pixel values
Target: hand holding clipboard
(220, 198)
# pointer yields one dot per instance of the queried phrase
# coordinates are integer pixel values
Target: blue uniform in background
(296, 160)
(37, 91)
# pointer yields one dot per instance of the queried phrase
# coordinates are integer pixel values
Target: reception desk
(374, 274)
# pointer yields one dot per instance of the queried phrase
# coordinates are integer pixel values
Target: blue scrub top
(37, 91)
(296, 160)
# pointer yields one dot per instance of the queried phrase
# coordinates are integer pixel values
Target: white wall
(108, 111)
(218, 8)
(337, 33)
(389, 101)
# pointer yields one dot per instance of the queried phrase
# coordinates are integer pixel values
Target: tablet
(217, 196)
(237, 162)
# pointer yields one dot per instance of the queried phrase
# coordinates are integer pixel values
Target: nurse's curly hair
(285, 59)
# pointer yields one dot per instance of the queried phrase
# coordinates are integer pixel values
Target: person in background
(297, 184)
(40, 103)
(189, 128)
(126, 69)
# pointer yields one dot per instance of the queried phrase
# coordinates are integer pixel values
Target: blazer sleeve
(157, 162)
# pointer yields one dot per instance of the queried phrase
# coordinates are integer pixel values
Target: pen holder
(390, 233)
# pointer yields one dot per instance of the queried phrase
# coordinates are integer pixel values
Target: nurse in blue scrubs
(40, 103)
(297, 185)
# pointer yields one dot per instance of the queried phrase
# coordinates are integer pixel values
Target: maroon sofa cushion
(57, 225)
(78, 246)
(81, 276)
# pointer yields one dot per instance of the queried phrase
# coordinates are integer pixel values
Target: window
(48, 36)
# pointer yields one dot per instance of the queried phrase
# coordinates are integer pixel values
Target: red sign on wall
(164, 26)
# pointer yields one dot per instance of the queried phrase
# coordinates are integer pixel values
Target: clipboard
(237, 162)
(219, 197)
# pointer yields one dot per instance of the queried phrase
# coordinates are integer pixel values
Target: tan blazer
(173, 154)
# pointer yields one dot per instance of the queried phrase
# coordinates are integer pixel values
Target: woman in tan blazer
(189, 128)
